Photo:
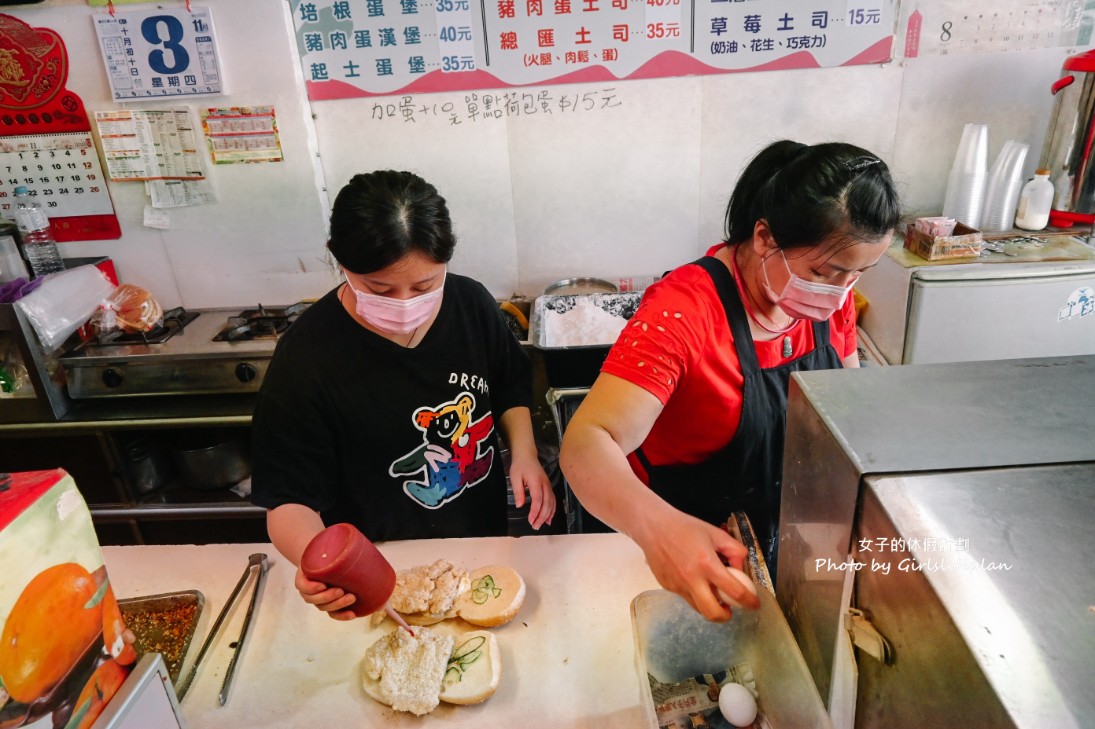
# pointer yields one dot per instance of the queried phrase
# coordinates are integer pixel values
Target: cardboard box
(64, 647)
(965, 242)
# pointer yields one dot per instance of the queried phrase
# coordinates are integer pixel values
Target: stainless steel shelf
(142, 413)
(110, 512)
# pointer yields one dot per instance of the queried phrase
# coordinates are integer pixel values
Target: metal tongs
(255, 560)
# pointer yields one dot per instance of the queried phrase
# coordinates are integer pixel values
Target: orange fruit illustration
(57, 616)
(114, 631)
(98, 690)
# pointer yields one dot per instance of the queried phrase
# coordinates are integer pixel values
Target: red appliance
(1067, 152)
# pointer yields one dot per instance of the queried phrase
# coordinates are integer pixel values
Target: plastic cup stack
(1004, 185)
(966, 183)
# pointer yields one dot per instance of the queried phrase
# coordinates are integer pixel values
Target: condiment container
(341, 556)
(1035, 201)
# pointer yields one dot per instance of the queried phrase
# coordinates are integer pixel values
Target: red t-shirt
(678, 346)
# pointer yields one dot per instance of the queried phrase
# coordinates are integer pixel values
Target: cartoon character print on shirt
(449, 459)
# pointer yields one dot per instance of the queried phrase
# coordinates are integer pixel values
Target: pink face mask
(805, 299)
(396, 316)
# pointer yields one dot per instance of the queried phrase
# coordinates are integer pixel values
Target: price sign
(151, 54)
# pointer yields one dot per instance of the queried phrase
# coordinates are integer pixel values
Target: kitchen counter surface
(568, 656)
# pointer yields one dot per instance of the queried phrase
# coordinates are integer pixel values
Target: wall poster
(385, 47)
(242, 134)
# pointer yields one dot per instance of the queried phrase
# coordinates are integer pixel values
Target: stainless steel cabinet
(984, 592)
(989, 457)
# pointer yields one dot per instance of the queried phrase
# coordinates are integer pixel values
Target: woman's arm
(291, 527)
(525, 472)
(685, 554)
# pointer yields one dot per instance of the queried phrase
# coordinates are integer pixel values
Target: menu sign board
(381, 47)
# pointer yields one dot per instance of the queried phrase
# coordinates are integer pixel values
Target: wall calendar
(61, 171)
(45, 137)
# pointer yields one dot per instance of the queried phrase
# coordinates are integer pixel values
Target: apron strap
(735, 312)
(735, 317)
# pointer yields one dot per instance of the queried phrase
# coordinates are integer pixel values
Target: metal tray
(620, 306)
(164, 624)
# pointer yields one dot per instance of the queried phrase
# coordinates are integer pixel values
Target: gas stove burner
(242, 330)
(282, 312)
(174, 320)
(259, 323)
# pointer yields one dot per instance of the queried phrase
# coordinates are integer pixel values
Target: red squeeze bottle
(341, 556)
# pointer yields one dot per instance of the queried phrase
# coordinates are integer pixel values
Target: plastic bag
(130, 308)
(63, 302)
(13, 374)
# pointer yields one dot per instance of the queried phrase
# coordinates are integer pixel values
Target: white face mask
(396, 316)
(805, 299)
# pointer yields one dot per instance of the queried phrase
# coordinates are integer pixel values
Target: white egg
(737, 705)
(743, 579)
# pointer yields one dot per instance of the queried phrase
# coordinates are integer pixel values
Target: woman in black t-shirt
(382, 404)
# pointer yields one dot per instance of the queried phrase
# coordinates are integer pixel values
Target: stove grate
(174, 320)
(259, 323)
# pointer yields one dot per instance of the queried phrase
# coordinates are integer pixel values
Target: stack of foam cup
(966, 182)
(1005, 183)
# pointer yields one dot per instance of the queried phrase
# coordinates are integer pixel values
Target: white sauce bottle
(1035, 201)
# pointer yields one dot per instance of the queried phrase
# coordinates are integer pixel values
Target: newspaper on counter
(694, 702)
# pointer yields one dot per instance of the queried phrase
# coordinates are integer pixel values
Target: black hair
(379, 217)
(808, 193)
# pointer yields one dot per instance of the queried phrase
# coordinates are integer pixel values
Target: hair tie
(858, 163)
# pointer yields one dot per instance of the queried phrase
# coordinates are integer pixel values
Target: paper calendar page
(61, 171)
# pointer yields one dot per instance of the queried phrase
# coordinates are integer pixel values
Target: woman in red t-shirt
(685, 424)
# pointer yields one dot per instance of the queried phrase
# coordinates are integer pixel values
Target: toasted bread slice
(406, 672)
(474, 670)
(496, 595)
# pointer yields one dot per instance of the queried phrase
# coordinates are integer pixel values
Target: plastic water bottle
(39, 247)
(1035, 202)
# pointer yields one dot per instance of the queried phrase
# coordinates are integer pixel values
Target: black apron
(746, 474)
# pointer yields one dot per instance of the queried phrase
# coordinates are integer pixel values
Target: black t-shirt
(400, 442)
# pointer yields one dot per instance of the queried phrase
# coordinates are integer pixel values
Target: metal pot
(1067, 152)
(217, 466)
(148, 466)
(580, 285)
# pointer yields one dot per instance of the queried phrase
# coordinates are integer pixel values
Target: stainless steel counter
(988, 605)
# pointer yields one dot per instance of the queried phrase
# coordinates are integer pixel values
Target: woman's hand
(688, 556)
(525, 471)
(291, 528)
(526, 474)
(331, 600)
